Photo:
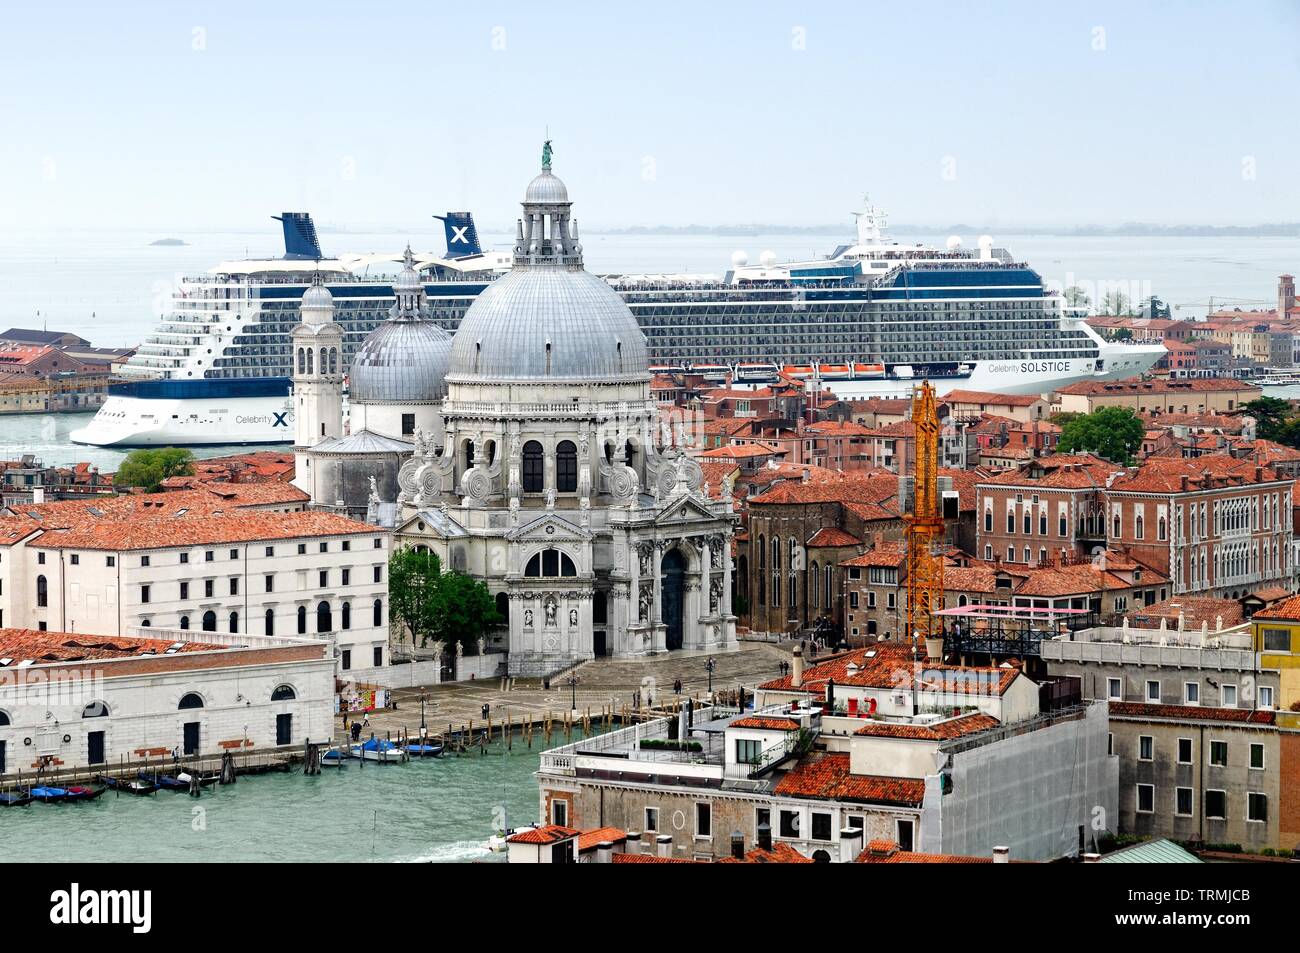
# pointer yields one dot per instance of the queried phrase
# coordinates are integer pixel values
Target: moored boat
(379, 749)
(426, 748)
(167, 782)
(334, 757)
(85, 792)
(47, 794)
(15, 798)
(128, 785)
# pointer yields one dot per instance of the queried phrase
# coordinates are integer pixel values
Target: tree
(1114, 302)
(1123, 334)
(1113, 433)
(1076, 297)
(463, 609)
(1271, 414)
(411, 584)
(148, 468)
(431, 604)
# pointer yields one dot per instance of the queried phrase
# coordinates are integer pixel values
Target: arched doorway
(673, 571)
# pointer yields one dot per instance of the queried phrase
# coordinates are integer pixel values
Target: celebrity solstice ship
(869, 318)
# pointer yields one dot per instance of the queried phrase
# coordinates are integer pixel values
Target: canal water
(428, 810)
(46, 436)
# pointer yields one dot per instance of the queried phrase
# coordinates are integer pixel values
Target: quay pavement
(602, 683)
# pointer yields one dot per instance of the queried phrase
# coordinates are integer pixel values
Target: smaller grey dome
(401, 362)
(317, 306)
(408, 280)
(546, 189)
(317, 296)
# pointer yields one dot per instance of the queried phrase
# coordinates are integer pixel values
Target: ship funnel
(299, 235)
(462, 236)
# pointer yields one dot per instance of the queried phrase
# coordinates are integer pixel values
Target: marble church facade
(547, 474)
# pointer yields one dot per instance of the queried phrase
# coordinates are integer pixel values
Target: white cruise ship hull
(1019, 376)
(160, 420)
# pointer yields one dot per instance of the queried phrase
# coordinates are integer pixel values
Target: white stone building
(233, 573)
(77, 701)
(542, 471)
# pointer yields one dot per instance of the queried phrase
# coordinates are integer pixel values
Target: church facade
(546, 472)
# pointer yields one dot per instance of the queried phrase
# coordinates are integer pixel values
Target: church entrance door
(674, 584)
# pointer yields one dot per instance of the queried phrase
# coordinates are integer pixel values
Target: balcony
(1229, 650)
(701, 761)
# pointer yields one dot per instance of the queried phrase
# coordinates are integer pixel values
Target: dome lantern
(548, 319)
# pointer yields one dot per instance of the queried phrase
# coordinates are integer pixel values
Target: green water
(435, 809)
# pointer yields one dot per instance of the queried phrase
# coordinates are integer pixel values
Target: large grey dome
(546, 189)
(401, 362)
(549, 323)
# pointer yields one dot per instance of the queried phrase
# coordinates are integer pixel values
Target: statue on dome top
(546, 156)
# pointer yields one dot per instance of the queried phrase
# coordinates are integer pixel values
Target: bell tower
(317, 380)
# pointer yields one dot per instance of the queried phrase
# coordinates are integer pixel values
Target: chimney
(796, 668)
(850, 844)
(665, 845)
(605, 852)
(1092, 858)
(1001, 855)
(633, 844)
(764, 837)
(737, 845)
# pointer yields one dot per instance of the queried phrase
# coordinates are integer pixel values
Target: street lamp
(709, 666)
(573, 692)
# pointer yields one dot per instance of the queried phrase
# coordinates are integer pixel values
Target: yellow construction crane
(925, 538)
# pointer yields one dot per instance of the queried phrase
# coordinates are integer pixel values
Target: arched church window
(532, 475)
(566, 467)
(549, 563)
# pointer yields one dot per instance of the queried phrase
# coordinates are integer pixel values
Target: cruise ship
(870, 318)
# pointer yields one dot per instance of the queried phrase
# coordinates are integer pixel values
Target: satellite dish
(954, 242)
(986, 241)
(739, 259)
(768, 258)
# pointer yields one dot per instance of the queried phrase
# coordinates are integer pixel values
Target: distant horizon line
(1127, 229)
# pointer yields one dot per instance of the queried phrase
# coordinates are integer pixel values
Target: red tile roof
(765, 723)
(30, 644)
(1159, 386)
(830, 536)
(887, 852)
(741, 450)
(1287, 609)
(1195, 610)
(210, 499)
(986, 397)
(246, 527)
(779, 854)
(1191, 713)
(546, 834)
(828, 778)
(887, 655)
(878, 487)
(888, 554)
(651, 859)
(939, 731)
(1074, 579)
(590, 840)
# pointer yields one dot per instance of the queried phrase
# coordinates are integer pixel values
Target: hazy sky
(216, 115)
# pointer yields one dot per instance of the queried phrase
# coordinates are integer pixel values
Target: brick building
(1215, 395)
